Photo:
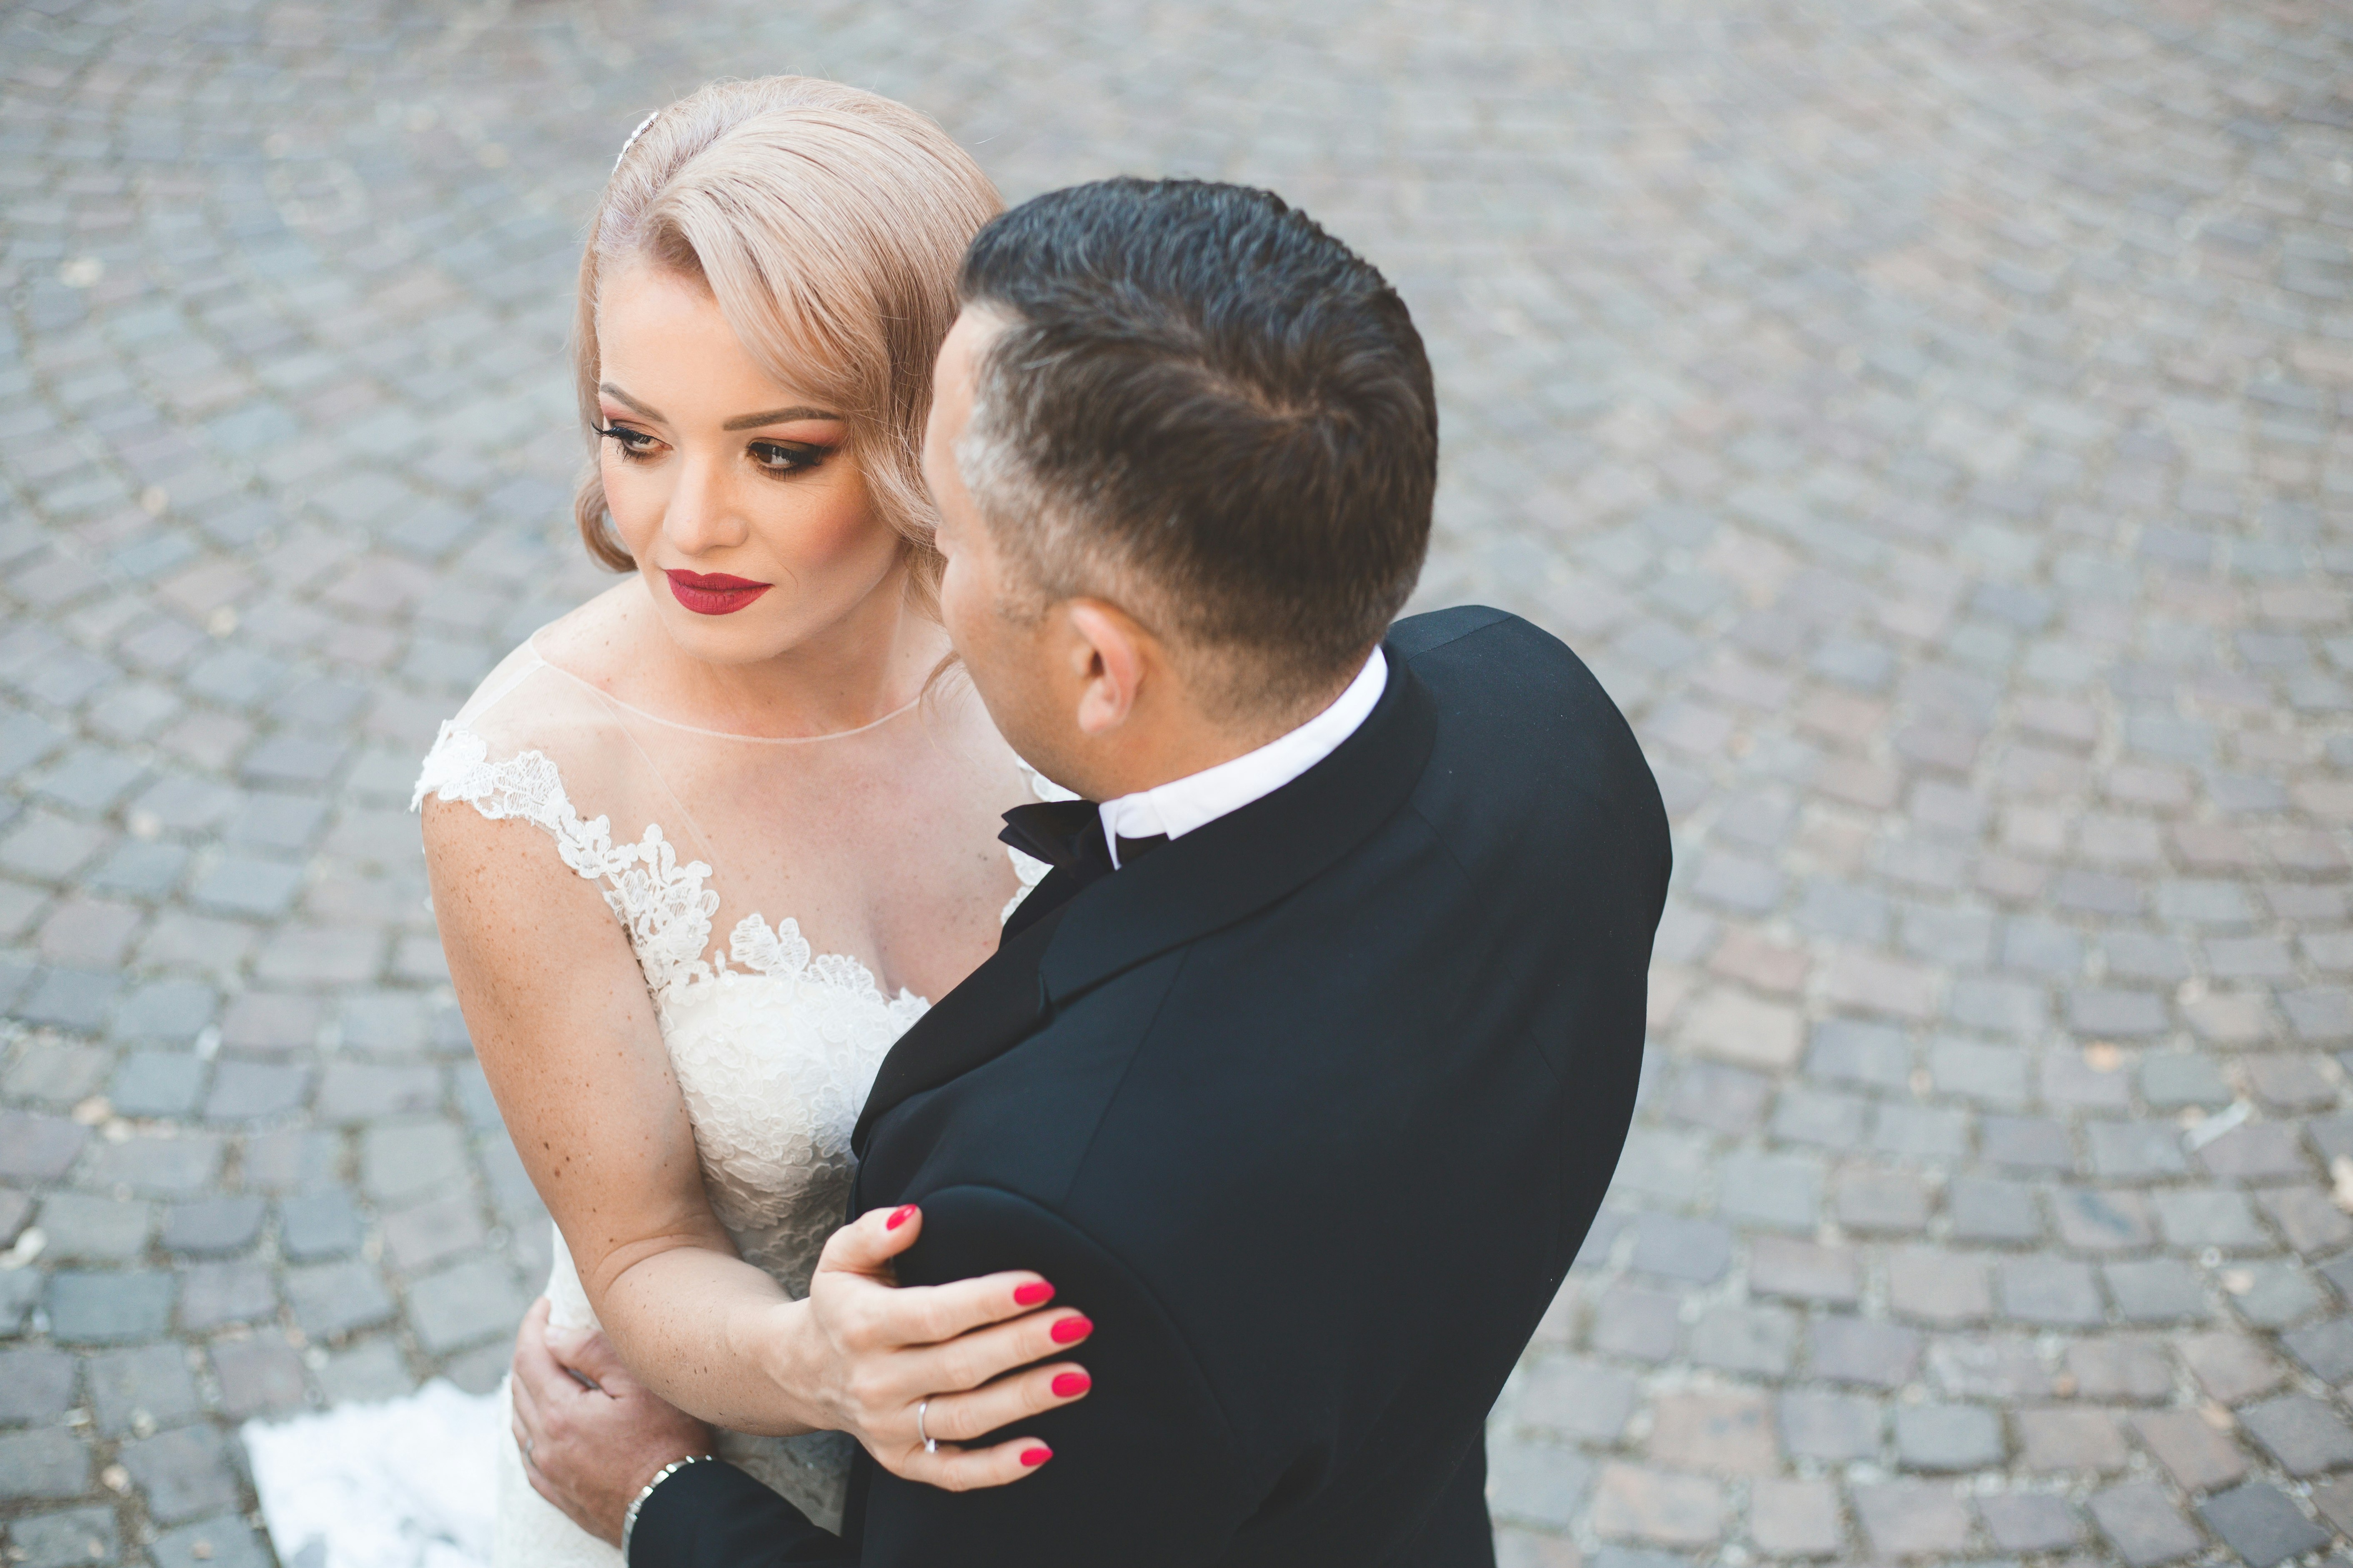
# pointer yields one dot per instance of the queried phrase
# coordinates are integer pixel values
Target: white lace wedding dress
(774, 1046)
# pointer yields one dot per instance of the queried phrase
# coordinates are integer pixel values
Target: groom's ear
(1109, 654)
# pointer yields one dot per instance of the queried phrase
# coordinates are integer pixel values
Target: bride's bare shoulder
(603, 639)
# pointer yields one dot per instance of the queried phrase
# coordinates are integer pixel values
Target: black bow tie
(1069, 834)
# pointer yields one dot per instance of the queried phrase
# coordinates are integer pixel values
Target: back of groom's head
(1204, 407)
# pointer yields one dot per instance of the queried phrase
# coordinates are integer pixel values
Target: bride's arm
(567, 1037)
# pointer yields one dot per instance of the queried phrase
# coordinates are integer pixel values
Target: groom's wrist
(638, 1499)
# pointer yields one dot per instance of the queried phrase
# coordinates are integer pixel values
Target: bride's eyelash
(782, 457)
(777, 458)
(631, 444)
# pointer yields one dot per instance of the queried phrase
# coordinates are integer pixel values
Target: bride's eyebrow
(775, 416)
(741, 422)
(617, 396)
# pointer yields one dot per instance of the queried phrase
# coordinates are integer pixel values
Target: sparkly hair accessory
(632, 142)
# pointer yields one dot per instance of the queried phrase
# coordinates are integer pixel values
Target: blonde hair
(829, 224)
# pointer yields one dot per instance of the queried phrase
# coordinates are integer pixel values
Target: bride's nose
(704, 512)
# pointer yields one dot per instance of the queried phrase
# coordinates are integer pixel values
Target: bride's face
(737, 495)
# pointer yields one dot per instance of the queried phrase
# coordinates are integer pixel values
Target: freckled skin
(552, 992)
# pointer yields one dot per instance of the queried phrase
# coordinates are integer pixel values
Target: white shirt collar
(1178, 807)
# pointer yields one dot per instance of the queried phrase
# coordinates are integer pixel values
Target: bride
(701, 849)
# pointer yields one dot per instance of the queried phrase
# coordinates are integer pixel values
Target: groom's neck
(1174, 732)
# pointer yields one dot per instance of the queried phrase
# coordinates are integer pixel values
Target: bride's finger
(985, 1354)
(940, 1314)
(867, 1244)
(970, 1469)
(961, 1417)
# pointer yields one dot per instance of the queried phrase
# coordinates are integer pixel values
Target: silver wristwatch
(629, 1520)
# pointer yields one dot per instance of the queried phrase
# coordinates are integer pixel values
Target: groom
(1306, 1067)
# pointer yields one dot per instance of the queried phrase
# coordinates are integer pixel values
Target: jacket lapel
(1229, 870)
(996, 1006)
(1209, 878)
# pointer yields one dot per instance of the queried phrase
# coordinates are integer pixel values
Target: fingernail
(1030, 1295)
(900, 1216)
(1033, 1457)
(1070, 1384)
(1071, 1329)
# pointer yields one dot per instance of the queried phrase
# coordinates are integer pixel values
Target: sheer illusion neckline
(653, 718)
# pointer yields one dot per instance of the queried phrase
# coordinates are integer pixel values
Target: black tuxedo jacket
(1309, 1110)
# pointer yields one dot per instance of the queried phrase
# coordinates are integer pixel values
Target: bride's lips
(713, 594)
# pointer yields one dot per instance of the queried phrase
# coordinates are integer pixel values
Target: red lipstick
(715, 594)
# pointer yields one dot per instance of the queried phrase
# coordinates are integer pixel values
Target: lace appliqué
(663, 903)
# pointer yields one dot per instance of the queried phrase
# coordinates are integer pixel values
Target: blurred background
(1927, 417)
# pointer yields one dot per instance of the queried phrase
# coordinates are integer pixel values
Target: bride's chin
(710, 640)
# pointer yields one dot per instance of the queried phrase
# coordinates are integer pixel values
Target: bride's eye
(635, 446)
(786, 457)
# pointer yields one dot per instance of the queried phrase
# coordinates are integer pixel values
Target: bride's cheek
(635, 506)
(841, 530)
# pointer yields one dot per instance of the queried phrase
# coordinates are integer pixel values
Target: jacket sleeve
(1146, 1472)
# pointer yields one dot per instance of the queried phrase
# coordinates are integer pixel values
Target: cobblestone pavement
(1927, 415)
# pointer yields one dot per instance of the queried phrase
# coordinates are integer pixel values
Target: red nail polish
(1071, 1329)
(1069, 1385)
(1032, 1294)
(900, 1216)
(1033, 1457)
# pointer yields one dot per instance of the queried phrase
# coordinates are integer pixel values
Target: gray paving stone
(1912, 1519)
(2261, 1525)
(1579, 1398)
(2209, 1216)
(2198, 1456)
(141, 1389)
(43, 1464)
(21, 1292)
(370, 1371)
(2030, 1522)
(467, 1303)
(259, 1375)
(1947, 1438)
(330, 1299)
(36, 1385)
(1538, 1483)
(213, 1225)
(405, 1160)
(1779, 1192)
(1759, 1341)
(156, 1084)
(224, 1541)
(182, 1473)
(1630, 1322)
(2156, 1290)
(258, 889)
(167, 1010)
(2306, 1437)
(2001, 1367)
(2049, 1292)
(1857, 1350)
(2272, 1295)
(318, 1226)
(110, 1309)
(253, 1092)
(94, 1229)
(1676, 1248)
(2143, 1525)
(214, 1294)
(166, 1162)
(69, 1538)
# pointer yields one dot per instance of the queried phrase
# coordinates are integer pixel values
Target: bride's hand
(877, 1351)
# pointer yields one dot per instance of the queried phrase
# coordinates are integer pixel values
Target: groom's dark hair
(1206, 408)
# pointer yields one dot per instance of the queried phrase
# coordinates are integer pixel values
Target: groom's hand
(883, 1350)
(590, 1435)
